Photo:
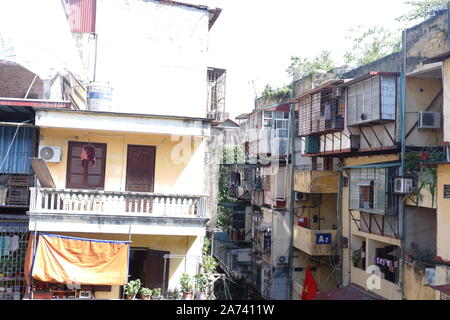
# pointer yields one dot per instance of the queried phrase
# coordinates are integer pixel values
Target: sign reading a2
(323, 238)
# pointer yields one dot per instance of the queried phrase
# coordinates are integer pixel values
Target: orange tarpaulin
(71, 260)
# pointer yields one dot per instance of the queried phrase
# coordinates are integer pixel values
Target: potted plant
(175, 295)
(146, 293)
(156, 294)
(201, 283)
(132, 289)
(186, 286)
(356, 257)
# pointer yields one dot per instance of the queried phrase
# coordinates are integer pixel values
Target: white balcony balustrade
(99, 202)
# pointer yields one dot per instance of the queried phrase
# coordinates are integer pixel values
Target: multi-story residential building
(124, 161)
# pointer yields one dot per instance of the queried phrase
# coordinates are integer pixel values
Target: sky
(254, 39)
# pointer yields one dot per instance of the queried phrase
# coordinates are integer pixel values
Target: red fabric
(309, 291)
(88, 154)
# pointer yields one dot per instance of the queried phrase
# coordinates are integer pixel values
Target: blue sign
(323, 238)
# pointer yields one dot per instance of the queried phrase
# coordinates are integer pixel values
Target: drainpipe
(292, 192)
(401, 217)
(339, 229)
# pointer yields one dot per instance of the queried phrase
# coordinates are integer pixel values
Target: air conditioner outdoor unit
(300, 196)
(403, 185)
(282, 259)
(50, 153)
(429, 120)
(430, 276)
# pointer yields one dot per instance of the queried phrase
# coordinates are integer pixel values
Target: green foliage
(422, 9)
(233, 154)
(371, 44)
(280, 93)
(132, 287)
(156, 292)
(186, 283)
(206, 246)
(356, 256)
(302, 67)
(209, 264)
(429, 179)
(201, 281)
(146, 292)
(223, 214)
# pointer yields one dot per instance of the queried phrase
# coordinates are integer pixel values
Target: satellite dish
(46, 153)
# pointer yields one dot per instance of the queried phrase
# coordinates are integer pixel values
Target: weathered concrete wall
(150, 53)
(390, 63)
(420, 232)
(414, 284)
(308, 83)
(426, 40)
(262, 102)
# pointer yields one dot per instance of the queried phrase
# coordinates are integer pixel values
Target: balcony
(74, 210)
(316, 181)
(314, 242)
(67, 201)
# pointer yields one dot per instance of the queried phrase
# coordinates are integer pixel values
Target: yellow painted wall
(316, 181)
(183, 245)
(349, 228)
(446, 87)
(324, 274)
(179, 164)
(414, 288)
(443, 213)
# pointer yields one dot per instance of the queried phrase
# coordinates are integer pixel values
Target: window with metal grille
(373, 99)
(368, 189)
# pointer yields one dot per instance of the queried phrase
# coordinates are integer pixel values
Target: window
(84, 174)
(372, 100)
(368, 190)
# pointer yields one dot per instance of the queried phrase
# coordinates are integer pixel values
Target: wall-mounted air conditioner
(430, 276)
(403, 185)
(429, 120)
(50, 153)
(300, 196)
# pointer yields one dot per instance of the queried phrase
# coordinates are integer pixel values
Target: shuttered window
(87, 175)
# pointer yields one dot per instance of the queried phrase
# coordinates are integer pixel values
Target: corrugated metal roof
(82, 15)
(13, 223)
(17, 160)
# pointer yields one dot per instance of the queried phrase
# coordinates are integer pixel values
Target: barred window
(368, 190)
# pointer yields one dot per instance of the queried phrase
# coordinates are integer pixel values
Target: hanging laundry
(327, 112)
(14, 243)
(2, 239)
(88, 155)
(6, 242)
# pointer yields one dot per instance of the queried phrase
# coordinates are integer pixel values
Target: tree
(302, 67)
(422, 9)
(371, 44)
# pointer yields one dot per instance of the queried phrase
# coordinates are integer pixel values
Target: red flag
(309, 291)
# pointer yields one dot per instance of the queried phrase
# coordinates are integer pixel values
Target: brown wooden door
(141, 168)
(154, 275)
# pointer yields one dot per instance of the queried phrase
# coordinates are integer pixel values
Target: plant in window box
(132, 289)
(356, 257)
(156, 294)
(186, 286)
(146, 293)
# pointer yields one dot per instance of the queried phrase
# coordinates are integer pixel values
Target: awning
(347, 293)
(13, 223)
(445, 288)
(63, 259)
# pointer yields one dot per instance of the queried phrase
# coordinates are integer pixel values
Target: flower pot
(131, 297)
(157, 298)
(187, 296)
(146, 297)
